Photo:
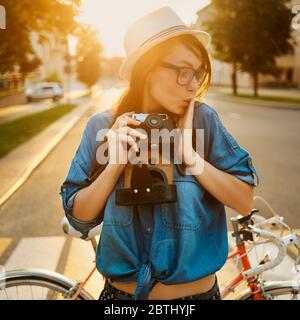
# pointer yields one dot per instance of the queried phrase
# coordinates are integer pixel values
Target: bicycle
(51, 285)
(245, 228)
(56, 286)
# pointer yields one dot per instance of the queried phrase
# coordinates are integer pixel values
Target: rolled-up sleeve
(79, 173)
(224, 152)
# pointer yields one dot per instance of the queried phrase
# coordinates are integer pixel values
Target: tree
(29, 64)
(251, 34)
(26, 16)
(89, 51)
(224, 29)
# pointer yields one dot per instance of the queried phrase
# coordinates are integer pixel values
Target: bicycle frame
(241, 252)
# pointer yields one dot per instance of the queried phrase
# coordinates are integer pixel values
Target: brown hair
(131, 99)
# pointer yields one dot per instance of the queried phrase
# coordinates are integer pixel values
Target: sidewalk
(272, 92)
(224, 94)
(17, 166)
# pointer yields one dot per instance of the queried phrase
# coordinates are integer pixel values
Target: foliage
(89, 51)
(24, 17)
(251, 34)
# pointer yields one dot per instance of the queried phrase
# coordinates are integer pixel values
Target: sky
(112, 17)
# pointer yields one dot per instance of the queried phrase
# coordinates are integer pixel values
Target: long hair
(132, 98)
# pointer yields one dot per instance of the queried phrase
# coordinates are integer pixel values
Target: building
(52, 52)
(288, 64)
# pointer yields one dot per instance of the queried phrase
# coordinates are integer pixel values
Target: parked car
(44, 90)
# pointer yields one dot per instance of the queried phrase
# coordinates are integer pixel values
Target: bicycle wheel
(277, 290)
(36, 284)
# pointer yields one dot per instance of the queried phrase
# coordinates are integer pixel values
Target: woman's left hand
(185, 124)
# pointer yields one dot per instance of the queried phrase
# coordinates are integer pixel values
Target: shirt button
(149, 230)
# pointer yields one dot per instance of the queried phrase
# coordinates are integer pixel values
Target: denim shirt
(174, 242)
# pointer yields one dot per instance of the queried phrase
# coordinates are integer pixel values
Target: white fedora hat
(152, 29)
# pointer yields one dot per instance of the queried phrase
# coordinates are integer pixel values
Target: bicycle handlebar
(274, 262)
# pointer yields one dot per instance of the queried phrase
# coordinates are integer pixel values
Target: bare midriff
(167, 292)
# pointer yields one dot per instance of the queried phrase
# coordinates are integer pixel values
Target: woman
(172, 250)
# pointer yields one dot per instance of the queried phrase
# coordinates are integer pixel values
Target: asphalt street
(32, 215)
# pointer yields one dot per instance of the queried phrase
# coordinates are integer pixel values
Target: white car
(44, 90)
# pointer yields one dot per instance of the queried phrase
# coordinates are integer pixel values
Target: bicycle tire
(39, 278)
(274, 289)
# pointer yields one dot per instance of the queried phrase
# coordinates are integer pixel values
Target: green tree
(89, 51)
(223, 26)
(251, 34)
(26, 16)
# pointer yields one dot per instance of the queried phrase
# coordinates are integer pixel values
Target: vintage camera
(154, 121)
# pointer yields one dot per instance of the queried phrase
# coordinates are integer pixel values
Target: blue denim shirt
(172, 243)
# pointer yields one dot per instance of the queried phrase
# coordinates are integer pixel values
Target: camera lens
(154, 121)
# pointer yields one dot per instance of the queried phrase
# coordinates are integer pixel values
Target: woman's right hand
(120, 136)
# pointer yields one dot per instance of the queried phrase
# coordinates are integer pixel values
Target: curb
(256, 103)
(55, 131)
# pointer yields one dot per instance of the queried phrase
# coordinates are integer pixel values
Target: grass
(266, 98)
(16, 132)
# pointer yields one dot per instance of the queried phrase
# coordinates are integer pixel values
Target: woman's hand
(185, 146)
(120, 136)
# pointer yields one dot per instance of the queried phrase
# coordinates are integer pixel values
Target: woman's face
(162, 89)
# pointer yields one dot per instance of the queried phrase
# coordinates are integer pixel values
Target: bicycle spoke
(5, 292)
(31, 292)
(53, 295)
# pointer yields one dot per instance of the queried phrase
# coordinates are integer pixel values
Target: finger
(127, 120)
(122, 116)
(191, 105)
(131, 121)
(133, 132)
(125, 114)
(187, 120)
(129, 140)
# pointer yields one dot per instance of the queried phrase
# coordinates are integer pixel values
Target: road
(30, 233)
(272, 137)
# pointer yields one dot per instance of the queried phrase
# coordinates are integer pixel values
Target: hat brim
(128, 63)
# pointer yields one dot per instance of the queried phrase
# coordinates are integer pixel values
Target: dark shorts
(111, 293)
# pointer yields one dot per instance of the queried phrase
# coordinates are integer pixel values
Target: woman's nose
(193, 85)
